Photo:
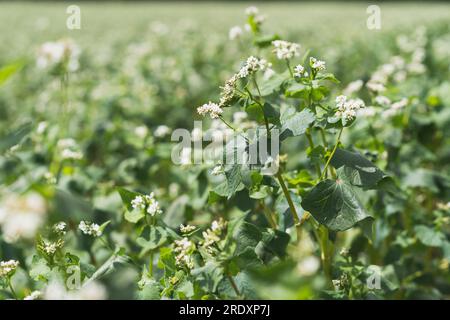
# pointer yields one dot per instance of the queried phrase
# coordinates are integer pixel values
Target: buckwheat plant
(302, 102)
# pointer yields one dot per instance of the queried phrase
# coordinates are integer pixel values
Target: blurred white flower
(141, 131)
(56, 290)
(69, 149)
(286, 50)
(235, 32)
(22, 216)
(162, 131)
(63, 51)
(308, 266)
(251, 11)
(353, 87)
(35, 295)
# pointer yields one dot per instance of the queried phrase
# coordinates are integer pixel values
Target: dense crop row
(355, 205)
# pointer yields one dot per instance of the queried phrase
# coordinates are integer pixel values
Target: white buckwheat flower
(60, 227)
(184, 249)
(235, 32)
(89, 228)
(7, 268)
(348, 108)
(286, 50)
(316, 64)
(147, 203)
(187, 228)
(210, 108)
(299, 71)
(212, 235)
(50, 247)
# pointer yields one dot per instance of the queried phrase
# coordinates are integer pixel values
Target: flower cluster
(54, 53)
(184, 249)
(89, 228)
(147, 203)
(7, 268)
(187, 228)
(211, 108)
(285, 49)
(213, 234)
(60, 228)
(348, 108)
(316, 64)
(299, 71)
(50, 247)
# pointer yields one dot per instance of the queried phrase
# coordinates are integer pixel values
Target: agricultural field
(225, 151)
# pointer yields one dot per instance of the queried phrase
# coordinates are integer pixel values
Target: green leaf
(150, 291)
(246, 236)
(273, 84)
(335, 204)
(298, 90)
(264, 41)
(15, 136)
(234, 178)
(273, 243)
(283, 210)
(7, 71)
(39, 270)
(327, 76)
(209, 276)
(361, 172)
(109, 265)
(127, 196)
(295, 123)
(429, 236)
(157, 237)
(134, 215)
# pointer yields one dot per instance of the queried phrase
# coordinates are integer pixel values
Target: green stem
(331, 155)
(311, 144)
(287, 195)
(266, 121)
(326, 253)
(12, 289)
(150, 264)
(289, 67)
(233, 284)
